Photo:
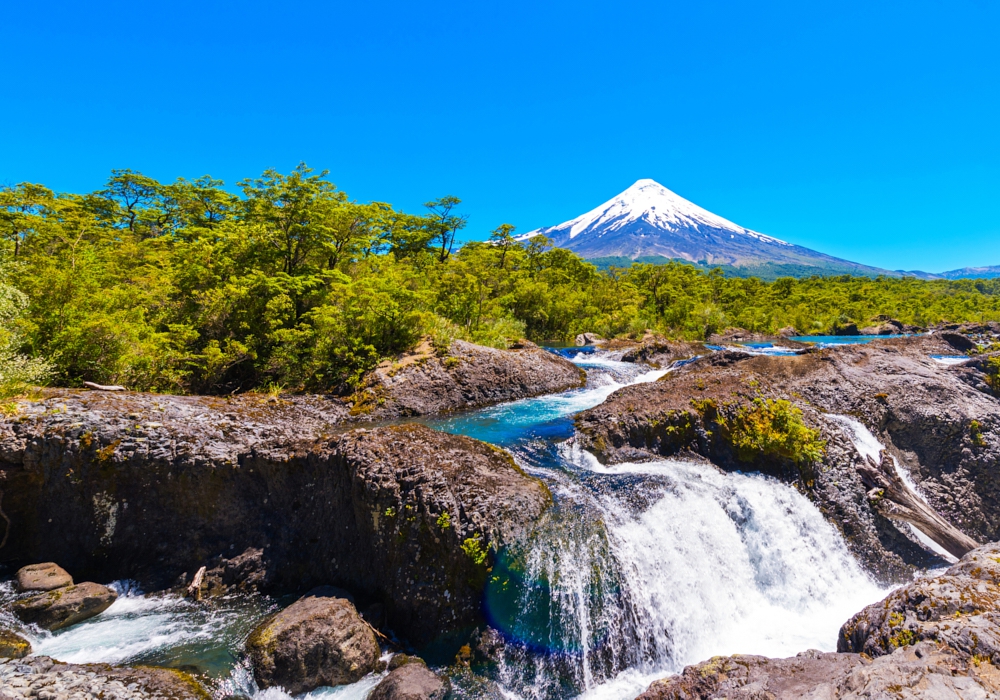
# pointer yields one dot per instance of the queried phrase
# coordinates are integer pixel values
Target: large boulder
(318, 640)
(411, 681)
(42, 577)
(466, 376)
(63, 607)
(271, 493)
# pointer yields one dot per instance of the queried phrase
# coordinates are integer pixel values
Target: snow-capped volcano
(647, 219)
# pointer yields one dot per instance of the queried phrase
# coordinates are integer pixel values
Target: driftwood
(891, 497)
(195, 588)
(104, 387)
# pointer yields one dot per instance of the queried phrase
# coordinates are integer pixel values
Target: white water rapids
(637, 570)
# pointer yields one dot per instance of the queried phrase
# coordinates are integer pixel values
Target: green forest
(285, 282)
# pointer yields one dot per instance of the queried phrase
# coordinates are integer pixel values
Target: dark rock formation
(411, 681)
(318, 640)
(151, 487)
(958, 341)
(847, 329)
(960, 608)
(660, 352)
(467, 376)
(935, 419)
(42, 577)
(13, 645)
(66, 606)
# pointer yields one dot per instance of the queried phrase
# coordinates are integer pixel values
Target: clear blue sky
(868, 130)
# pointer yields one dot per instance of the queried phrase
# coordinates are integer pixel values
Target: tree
(133, 201)
(444, 224)
(20, 207)
(502, 237)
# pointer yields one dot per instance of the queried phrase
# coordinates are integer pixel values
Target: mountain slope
(647, 219)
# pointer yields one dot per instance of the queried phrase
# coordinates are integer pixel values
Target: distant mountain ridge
(649, 221)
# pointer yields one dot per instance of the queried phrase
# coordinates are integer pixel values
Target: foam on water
(950, 359)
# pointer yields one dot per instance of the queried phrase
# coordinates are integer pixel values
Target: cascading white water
(705, 563)
(868, 445)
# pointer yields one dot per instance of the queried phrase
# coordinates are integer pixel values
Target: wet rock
(42, 577)
(13, 646)
(411, 681)
(319, 640)
(399, 660)
(660, 352)
(149, 487)
(65, 606)
(467, 376)
(588, 339)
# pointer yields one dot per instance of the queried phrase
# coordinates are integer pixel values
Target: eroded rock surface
(42, 577)
(66, 606)
(411, 681)
(42, 678)
(467, 376)
(319, 640)
(152, 487)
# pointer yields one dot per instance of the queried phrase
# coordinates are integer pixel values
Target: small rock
(411, 681)
(65, 606)
(318, 640)
(588, 339)
(42, 577)
(13, 646)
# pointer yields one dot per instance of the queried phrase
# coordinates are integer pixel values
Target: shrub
(773, 429)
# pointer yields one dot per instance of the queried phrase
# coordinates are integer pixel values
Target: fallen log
(104, 387)
(891, 497)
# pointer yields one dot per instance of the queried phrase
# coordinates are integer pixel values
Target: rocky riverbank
(47, 679)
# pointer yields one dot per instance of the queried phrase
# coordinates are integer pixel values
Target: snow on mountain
(647, 219)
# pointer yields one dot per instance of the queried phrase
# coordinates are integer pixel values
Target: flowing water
(636, 571)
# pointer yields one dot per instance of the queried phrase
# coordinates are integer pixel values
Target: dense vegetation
(190, 287)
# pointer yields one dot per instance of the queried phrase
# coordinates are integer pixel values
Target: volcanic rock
(13, 645)
(42, 577)
(411, 681)
(317, 641)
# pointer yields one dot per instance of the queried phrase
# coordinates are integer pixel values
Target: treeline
(189, 287)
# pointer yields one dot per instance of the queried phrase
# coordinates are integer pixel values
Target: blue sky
(868, 130)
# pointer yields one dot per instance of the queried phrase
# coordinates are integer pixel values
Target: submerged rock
(151, 487)
(42, 577)
(318, 640)
(411, 681)
(13, 645)
(63, 607)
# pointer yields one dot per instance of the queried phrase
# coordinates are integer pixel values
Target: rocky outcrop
(467, 376)
(941, 422)
(959, 609)
(42, 577)
(660, 352)
(410, 679)
(13, 645)
(588, 339)
(924, 671)
(42, 678)
(319, 640)
(152, 487)
(66, 606)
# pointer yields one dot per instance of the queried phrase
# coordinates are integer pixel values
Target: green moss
(976, 433)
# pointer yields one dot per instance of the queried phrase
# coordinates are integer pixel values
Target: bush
(773, 429)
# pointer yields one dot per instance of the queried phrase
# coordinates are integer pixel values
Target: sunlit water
(636, 571)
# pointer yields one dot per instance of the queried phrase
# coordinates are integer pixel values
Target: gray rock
(42, 577)
(65, 606)
(319, 640)
(411, 681)
(588, 339)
